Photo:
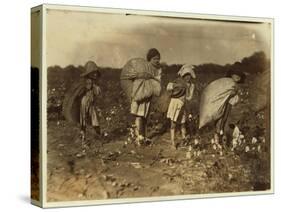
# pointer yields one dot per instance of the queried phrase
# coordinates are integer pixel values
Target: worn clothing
(140, 108)
(88, 111)
(176, 111)
(220, 124)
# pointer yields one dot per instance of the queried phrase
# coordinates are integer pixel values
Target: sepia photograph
(143, 105)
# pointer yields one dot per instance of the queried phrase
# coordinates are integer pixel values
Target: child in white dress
(182, 90)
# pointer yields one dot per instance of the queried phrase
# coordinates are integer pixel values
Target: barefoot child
(181, 92)
(88, 111)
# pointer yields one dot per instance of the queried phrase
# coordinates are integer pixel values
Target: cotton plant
(253, 144)
(216, 146)
(237, 138)
(131, 134)
(194, 149)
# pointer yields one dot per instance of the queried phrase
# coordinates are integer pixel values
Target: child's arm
(96, 91)
(234, 100)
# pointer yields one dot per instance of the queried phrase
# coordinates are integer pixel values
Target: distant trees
(256, 63)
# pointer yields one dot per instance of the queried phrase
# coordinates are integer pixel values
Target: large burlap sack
(72, 101)
(143, 89)
(213, 100)
(136, 86)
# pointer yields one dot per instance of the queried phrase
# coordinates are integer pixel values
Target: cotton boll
(259, 148)
(216, 139)
(195, 153)
(254, 140)
(236, 133)
(196, 141)
(140, 137)
(214, 146)
(234, 143)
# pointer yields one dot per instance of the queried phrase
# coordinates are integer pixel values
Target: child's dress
(176, 111)
(88, 111)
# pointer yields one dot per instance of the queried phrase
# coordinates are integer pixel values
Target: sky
(110, 40)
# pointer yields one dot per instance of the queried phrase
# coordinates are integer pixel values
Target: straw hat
(90, 67)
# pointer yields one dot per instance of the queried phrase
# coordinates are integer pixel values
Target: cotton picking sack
(72, 100)
(213, 100)
(135, 86)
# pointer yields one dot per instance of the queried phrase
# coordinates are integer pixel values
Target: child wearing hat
(89, 95)
(181, 92)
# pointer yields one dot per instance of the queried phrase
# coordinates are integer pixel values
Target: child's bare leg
(137, 123)
(139, 129)
(183, 131)
(83, 132)
(144, 127)
(173, 131)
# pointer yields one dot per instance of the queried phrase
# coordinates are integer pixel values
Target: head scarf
(187, 69)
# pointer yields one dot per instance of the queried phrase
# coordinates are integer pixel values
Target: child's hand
(233, 93)
(170, 86)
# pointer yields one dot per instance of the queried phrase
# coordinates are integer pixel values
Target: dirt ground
(103, 169)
